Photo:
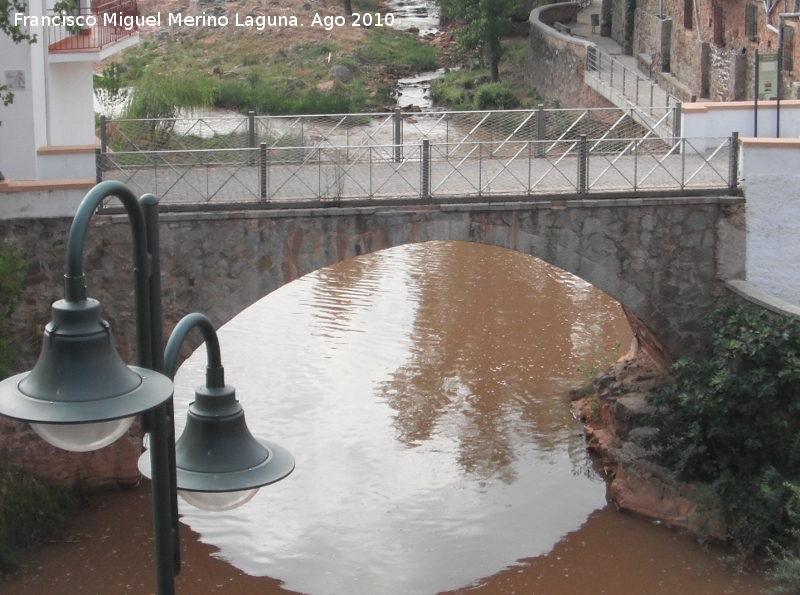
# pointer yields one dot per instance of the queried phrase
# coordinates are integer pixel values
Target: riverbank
(291, 64)
(614, 413)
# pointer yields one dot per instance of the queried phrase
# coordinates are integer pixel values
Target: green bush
(732, 420)
(32, 510)
(456, 89)
(496, 96)
(12, 282)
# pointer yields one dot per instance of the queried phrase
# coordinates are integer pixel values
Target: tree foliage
(732, 420)
(484, 24)
(12, 282)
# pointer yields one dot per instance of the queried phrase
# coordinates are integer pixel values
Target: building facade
(48, 132)
(706, 49)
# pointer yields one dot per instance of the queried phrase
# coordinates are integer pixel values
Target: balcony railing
(92, 28)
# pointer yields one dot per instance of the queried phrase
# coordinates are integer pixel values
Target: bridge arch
(659, 258)
(664, 260)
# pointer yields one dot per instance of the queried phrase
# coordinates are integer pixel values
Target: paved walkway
(617, 77)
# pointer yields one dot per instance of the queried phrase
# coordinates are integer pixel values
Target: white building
(47, 136)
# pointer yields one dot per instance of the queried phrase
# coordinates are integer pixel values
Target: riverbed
(423, 392)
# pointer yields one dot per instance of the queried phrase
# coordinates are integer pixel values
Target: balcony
(92, 33)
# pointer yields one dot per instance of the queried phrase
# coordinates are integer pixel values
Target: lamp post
(81, 396)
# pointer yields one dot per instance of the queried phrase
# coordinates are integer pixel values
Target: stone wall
(658, 257)
(652, 39)
(621, 28)
(555, 62)
(700, 66)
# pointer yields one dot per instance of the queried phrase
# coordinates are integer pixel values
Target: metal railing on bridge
(358, 130)
(438, 155)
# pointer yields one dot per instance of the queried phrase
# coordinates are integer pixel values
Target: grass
(32, 510)
(276, 71)
(399, 51)
(470, 88)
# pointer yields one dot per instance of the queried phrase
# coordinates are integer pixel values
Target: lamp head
(80, 378)
(219, 463)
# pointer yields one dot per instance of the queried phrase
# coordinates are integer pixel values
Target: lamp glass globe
(217, 501)
(83, 437)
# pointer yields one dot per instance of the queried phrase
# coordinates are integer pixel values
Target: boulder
(342, 73)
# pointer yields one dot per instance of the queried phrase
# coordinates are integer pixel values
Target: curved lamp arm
(215, 374)
(74, 284)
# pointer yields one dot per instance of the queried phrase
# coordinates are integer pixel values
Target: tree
(348, 7)
(485, 23)
(7, 26)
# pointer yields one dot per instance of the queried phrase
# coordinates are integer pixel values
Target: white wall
(771, 184)
(712, 120)
(70, 102)
(40, 204)
(66, 166)
(17, 138)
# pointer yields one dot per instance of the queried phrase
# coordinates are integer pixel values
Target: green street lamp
(219, 464)
(81, 396)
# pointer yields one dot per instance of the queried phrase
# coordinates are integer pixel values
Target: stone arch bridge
(664, 259)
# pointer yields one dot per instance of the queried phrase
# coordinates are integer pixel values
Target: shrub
(12, 281)
(32, 510)
(496, 96)
(731, 419)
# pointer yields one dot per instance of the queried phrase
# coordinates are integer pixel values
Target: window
(719, 25)
(688, 13)
(787, 58)
(751, 21)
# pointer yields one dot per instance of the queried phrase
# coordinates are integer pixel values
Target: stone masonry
(665, 260)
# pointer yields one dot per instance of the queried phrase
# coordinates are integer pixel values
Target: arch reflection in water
(423, 393)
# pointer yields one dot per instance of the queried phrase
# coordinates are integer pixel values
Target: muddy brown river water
(423, 393)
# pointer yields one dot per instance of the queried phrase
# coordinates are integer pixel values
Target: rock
(646, 489)
(641, 486)
(342, 73)
(330, 86)
(629, 412)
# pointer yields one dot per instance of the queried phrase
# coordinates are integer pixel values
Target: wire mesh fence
(356, 131)
(282, 175)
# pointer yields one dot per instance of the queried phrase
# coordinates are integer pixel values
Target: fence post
(733, 163)
(624, 71)
(583, 164)
(262, 186)
(541, 130)
(98, 165)
(480, 168)
(425, 190)
(611, 74)
(676, 119)
(251, 134)
(398, 135)
(103, 135)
